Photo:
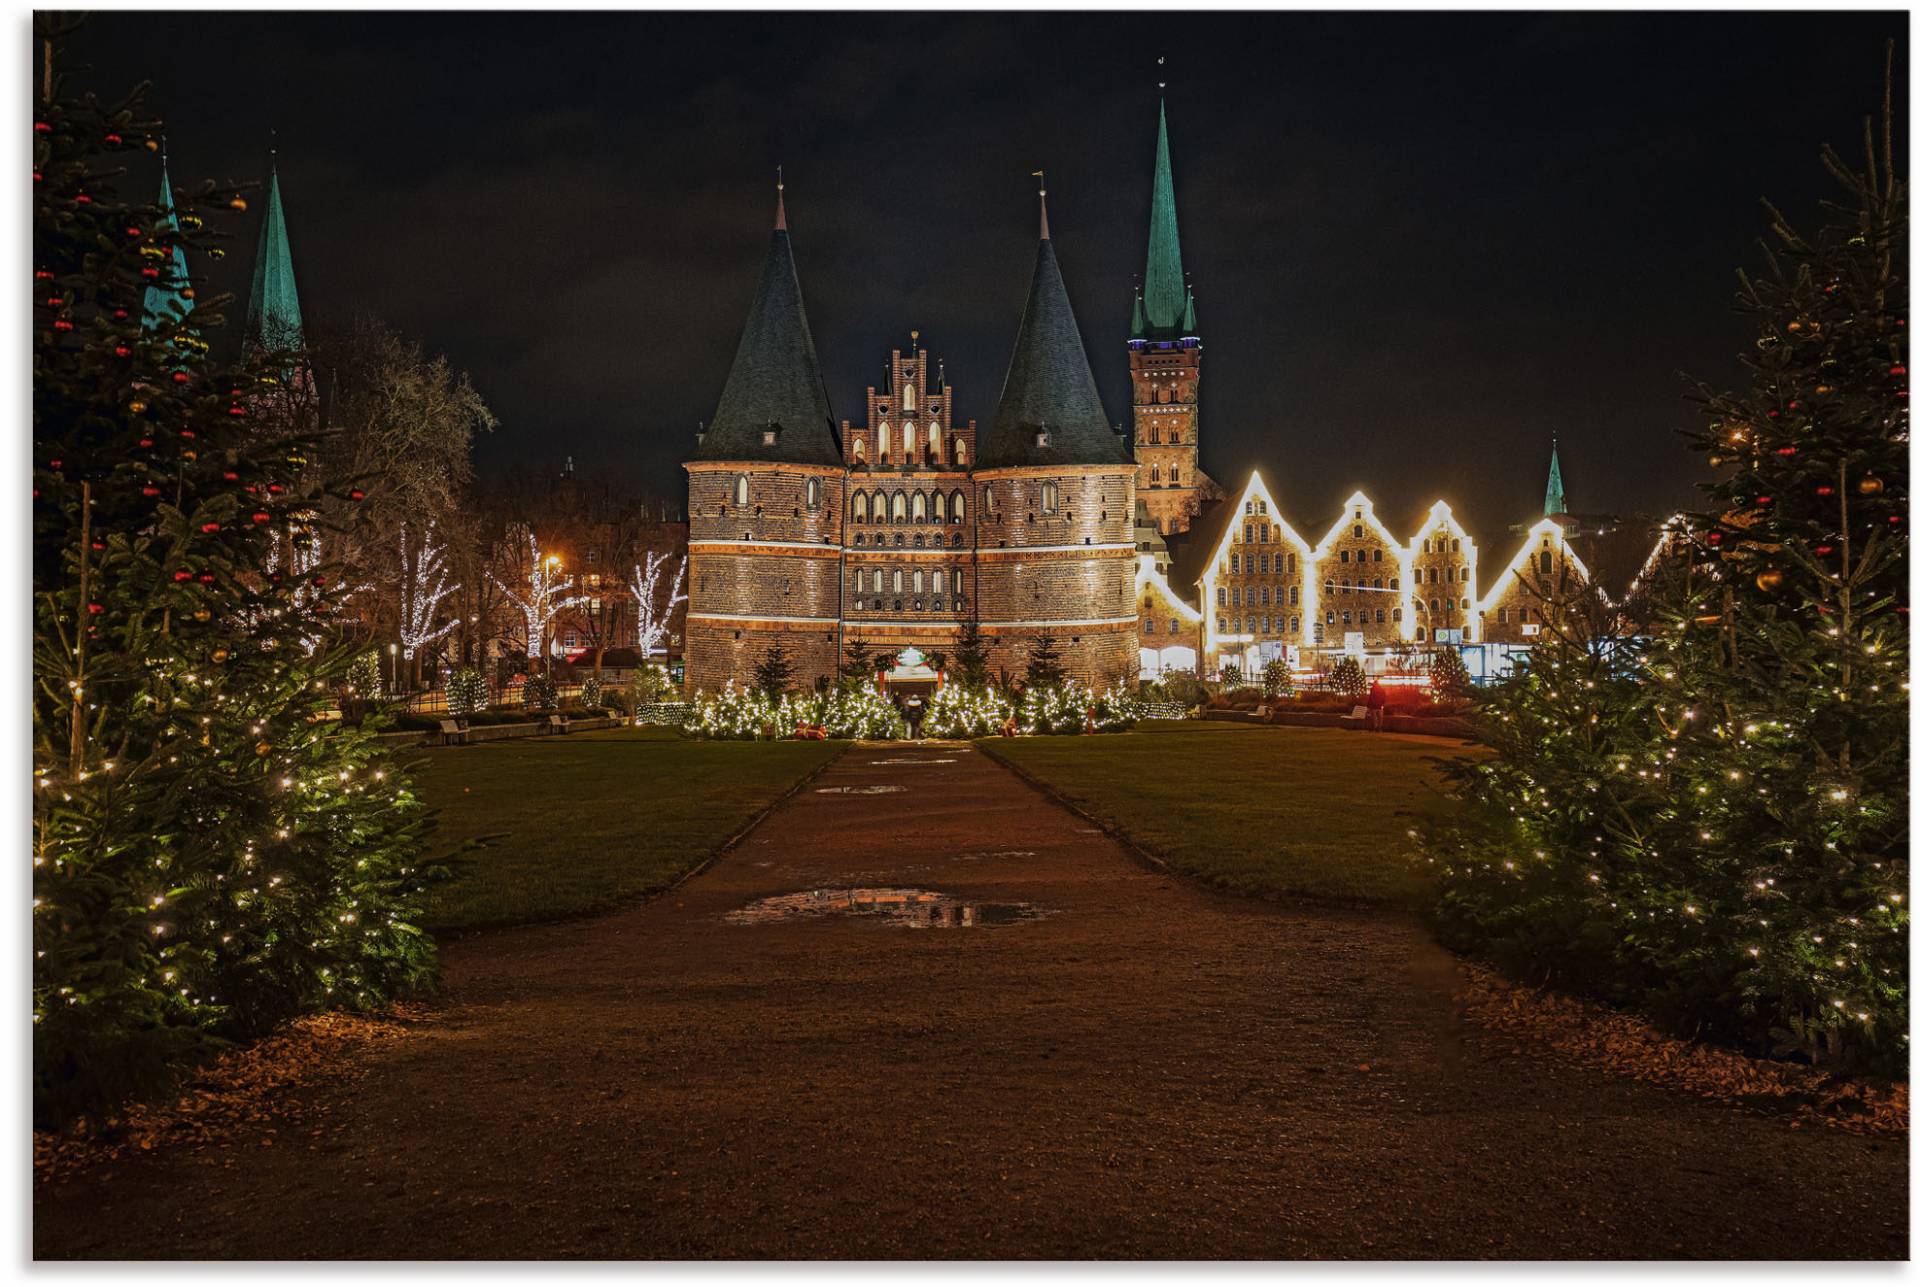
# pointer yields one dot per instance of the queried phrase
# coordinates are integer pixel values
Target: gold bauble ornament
(221, 654)
(1770, 580)
(261, 748)
(1870, 486)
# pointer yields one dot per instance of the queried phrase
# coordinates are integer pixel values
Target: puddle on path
(945, 761)
(914, 908)
(997, 853)
(858, 790)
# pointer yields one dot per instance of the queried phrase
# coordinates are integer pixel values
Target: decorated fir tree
(858, 665)
(970, 657)
(210, 854)
(1708, 820)
(1447, 677)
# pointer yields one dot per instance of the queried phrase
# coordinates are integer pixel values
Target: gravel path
(1147, 1070)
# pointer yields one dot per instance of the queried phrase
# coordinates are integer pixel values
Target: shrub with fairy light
(466, 692)
(211, 855)
(752, 714)
(1348, 678)
(1704, 815)
(957, 711)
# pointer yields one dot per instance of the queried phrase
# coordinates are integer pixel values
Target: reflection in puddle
(858, 790)
(945, 761)
(914, 908)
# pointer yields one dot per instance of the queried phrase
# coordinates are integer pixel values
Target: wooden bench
(556, 723)
(453, 732)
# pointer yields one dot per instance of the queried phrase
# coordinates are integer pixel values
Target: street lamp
(393, 667)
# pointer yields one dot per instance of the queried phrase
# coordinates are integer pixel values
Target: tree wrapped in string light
(544, 595)
(1709, 820)
(653, 618)
(423, 588)
(210, 854)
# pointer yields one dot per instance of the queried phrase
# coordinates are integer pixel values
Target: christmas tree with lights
(1708, 820)
(211, 853)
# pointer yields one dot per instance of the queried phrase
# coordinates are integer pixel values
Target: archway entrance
(911, 682)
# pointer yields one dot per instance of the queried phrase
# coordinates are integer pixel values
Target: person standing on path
(1377, 707)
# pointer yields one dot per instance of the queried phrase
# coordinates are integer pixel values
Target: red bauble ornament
(62, 324)
(236, 411)
(114, 139)
(121, 350)
(146, 442)
(275, 488)
(99, 545)
(43, 274)
(1785, 451)
(206, 578)
(1714, 538)
(119, 314)
(133, 232)
(1823, 490)
(41, 127)
(1898, 370)
(183, 575)
(188, 433)
(1893, 520)
(1773, 415)
(356, 494)
(83, 200)
(1763, 500)
(231, 476)
(262, 517)
(319, 580)
(209, 527)
(149, 490)
(151, 274)
(96, 609)
(1823, 550)
(53, 464)
(179, 377)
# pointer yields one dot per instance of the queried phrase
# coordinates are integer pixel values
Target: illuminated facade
(901, 530)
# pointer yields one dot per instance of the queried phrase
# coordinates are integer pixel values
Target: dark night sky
(1420, 243)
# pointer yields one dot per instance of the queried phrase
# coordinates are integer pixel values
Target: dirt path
(1147, 1070)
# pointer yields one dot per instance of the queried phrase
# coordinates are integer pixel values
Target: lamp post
(553, 567)
(393, 667)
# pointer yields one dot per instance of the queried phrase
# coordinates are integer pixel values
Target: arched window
(1049, 497)
(1176, 475)
(959, 506)
(740, 489)
(899, 580)
(939, 507)
(899, 507)
(919, 581)
(1420, 632)
(1456, 545)
(919, 506)
(886, 441)
(1153, 474)
(859, 507)
(1293, 596)
(987, 497)
(859, 451)
(939, 581)
(1290, 563)
(906, 404)
(933, 442)
(959, 582)
(813, 493)
(959, 451)
(860, 581)
(908, 440)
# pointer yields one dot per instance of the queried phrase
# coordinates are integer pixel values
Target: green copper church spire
(1556, 494)
(273, 311)
(1165, 298)
(166, 300)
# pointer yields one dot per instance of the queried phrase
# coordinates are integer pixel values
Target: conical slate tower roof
(1167, 309)
(1556, 494)
(273, 310)
(775, 382)
(1049, 384)
(166, 301)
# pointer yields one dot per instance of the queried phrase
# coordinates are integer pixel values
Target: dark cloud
(1421, 244)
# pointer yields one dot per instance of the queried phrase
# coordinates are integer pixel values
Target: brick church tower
(1163, 359)
(765, 491)
(1055, 500)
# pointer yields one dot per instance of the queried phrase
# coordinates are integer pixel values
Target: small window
(813, 493)
(959, 451)
(740, 489)
(1146, 625)
(1049, 497)
(959, 507)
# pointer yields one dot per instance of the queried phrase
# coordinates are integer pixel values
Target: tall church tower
(1163, 358)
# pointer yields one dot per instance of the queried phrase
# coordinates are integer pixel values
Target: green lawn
(589, 820)
(1268, 811)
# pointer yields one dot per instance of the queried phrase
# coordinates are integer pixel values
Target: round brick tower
(764, 499)
(1055, 489)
